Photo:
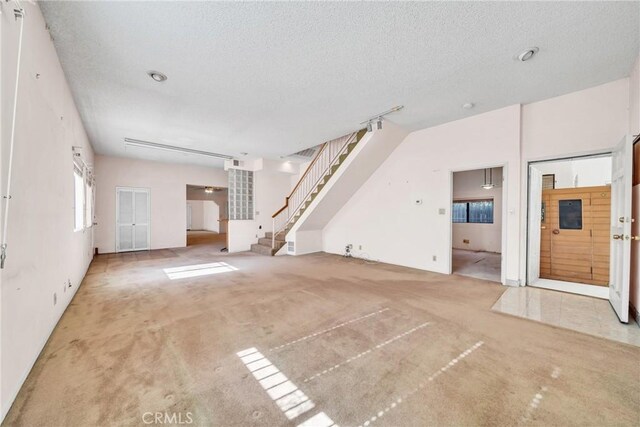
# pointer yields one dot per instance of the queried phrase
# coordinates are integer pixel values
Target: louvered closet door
(124, 220)
(141, 223)
(132, 219)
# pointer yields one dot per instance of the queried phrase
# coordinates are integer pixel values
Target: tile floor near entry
(314, 340)
(580, 313)
(478, 264)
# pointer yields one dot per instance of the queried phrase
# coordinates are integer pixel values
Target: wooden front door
(574, 237)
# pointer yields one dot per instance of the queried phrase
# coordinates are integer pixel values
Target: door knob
(617, 237)
(556, 231)
(635, 237)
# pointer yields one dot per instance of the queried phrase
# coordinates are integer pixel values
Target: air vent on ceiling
(307, 154)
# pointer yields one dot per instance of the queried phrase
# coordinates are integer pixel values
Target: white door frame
(621, 199)
(189, 214)
(134, 190)
(504, 218)
(534, 224)
(558, 285)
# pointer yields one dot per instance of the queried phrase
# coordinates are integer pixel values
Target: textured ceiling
(271, 79)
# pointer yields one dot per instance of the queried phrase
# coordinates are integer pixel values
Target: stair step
(262, 249)
(279, 236)
(265, 241)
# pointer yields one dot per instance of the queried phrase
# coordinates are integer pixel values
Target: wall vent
(306, 154)
(237, 163)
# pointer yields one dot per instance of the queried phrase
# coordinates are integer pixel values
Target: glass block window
(240, 194)
(473, 211)
(570, 214)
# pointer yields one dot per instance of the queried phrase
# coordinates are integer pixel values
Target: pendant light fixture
(488, 185)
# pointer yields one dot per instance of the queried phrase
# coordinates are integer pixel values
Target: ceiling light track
(154, 145)
(378, 118)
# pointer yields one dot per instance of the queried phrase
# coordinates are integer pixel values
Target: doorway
(207, 219)
(571, 222)
(133, 225)
(476, 223)
(579, 225)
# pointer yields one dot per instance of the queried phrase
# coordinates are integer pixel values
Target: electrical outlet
(55, 298)
(435, 258)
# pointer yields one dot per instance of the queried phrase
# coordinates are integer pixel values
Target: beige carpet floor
(202, 237)
(367, 344)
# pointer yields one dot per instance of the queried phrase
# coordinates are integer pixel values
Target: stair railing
(319, 167)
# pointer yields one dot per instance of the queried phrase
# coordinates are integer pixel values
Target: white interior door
(619, 276)
(132, 219)
(141, 216)
(535, 222)
(124, 219)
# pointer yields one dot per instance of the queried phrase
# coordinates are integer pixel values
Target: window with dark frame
(472, 211)
(549, 181)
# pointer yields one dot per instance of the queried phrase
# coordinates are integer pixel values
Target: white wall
(588, 121)
(634, 129)
(589, 172)
(634, 99)
(43, 250)
(197, 214)
(382, 216)
(205, 215)
(482, 237)
(167, 183)
(214, 207)
(210, 216)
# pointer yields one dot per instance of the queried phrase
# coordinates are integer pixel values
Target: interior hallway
(477, 264)
(395, 345)
(215, 241)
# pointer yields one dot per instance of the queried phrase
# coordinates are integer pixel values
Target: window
(240, 194)
(88, 191)
(570, 214)
(473, 211)
(78, 186)
(459, 211)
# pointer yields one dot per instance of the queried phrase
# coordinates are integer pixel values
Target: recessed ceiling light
(527, 54)
(468, 105)
(157, 76)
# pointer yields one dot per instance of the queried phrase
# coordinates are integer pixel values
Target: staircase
(320, 171)
(268, 245)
